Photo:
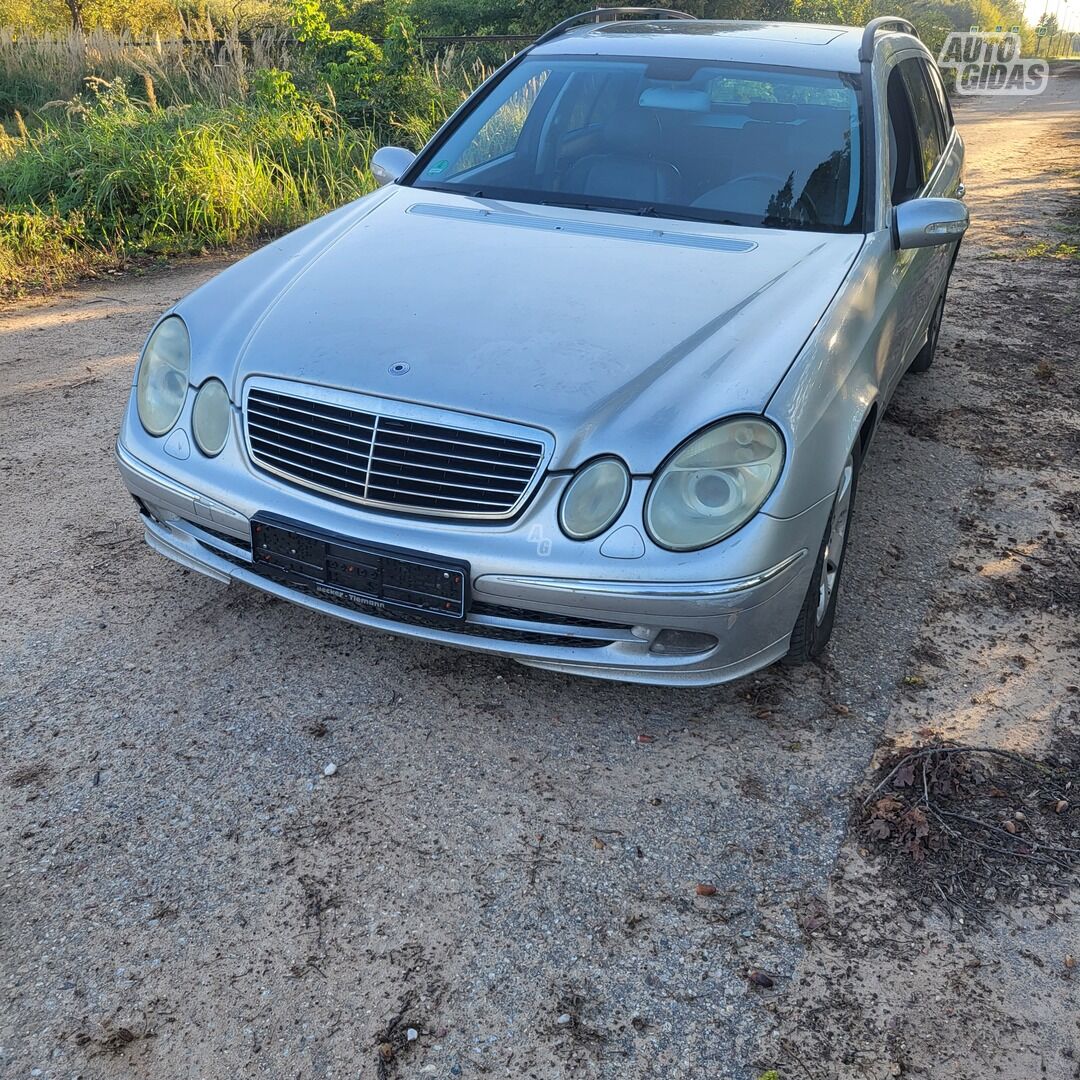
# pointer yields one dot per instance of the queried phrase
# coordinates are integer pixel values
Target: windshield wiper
(637, 211)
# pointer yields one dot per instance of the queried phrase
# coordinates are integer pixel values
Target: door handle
(960, 190)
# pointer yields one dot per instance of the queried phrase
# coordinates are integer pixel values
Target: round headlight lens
(714, 484)
(210, 417)
(163, 376)
(594, 498)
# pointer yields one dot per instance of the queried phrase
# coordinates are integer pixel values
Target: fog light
(682, 642)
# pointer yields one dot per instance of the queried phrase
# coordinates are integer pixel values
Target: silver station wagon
(588, 382)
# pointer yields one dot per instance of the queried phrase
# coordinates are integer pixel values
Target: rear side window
(937, 88)
(928, 121)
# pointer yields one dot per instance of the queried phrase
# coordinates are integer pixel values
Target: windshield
(738, 144)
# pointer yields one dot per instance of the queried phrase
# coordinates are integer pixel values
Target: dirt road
(498, 863)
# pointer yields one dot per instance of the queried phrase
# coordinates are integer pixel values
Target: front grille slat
(406, 479)
(391, 460)
(381, 459)
(308, 451)
(479, 447)
(374, 487)
(360, 480)
(276, 437)
(350, 431)
(313, 409)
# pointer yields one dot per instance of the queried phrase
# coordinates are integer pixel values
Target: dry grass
(42, 71)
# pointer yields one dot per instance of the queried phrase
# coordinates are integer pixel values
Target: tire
(813, 627)
(925, 356)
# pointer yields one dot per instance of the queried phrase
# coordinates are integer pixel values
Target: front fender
(843, 370)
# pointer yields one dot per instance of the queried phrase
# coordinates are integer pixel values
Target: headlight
(210, 417)
(163, 376)
(714, 484)
(594, 498)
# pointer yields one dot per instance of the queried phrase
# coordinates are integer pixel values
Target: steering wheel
(775, 183)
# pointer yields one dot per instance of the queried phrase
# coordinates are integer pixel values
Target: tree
(76, 9)
(1049, 25)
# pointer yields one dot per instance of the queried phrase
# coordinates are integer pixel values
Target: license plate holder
(373, 575)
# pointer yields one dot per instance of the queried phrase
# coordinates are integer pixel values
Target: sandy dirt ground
(499, 865)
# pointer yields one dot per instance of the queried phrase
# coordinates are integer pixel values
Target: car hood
(616, 334)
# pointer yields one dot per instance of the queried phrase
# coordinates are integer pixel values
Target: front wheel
(925, 356)
(813, 628)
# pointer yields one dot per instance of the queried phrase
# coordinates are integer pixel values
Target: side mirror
(929, 222)
(389, 162)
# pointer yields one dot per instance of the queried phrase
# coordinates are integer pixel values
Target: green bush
(122, 178)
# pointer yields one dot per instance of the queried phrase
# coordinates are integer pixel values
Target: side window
(928, 122)
(593, 99)
(500, 133)
(937, 88)
(905, 164)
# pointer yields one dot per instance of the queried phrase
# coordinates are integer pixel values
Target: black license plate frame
(376, 576)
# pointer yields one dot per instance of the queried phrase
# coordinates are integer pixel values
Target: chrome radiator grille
(395, 461)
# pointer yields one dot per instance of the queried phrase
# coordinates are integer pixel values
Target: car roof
(779, 44)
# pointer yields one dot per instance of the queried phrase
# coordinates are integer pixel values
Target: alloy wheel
(834, 549)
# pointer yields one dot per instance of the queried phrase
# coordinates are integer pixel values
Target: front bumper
(605, 627)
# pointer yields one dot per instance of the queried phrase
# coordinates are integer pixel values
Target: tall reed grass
(126, 178)
(39, 69)
(111, 148)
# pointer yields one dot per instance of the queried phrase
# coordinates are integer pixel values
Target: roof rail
(886, 22)
(609, 14)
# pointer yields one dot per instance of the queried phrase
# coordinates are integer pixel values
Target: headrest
(633, 131)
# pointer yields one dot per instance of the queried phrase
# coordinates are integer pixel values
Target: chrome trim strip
(597, 633)
(525, 220)
(647, 590)
(392, 409)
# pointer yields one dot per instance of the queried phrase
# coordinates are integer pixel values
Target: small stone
(329, 770)
(705, 888)
(563, 1019)
(412, 1035)
(1061, 806)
